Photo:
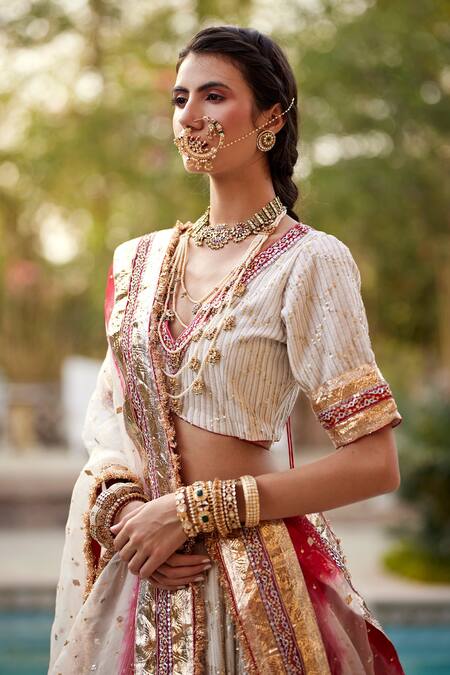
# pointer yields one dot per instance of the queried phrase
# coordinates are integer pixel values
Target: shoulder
(125, 252)
(319, 243)
(322, 252)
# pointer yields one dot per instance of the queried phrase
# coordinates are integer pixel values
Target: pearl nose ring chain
(199, 152)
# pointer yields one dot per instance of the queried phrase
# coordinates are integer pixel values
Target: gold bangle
(230, 503)
(119, 503)
(182, 512)
(102, 517)
(104, 501)
(202, 506)
(120, 487)
(237, 519)
(251, 496)
(218, 510)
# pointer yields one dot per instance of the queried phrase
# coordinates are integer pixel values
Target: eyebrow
(207, 85)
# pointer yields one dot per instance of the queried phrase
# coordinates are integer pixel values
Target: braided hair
(268, 74)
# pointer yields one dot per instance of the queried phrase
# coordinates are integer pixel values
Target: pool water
(423, 650)
(25, 642)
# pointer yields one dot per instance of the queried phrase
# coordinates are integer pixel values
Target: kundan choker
(216, 236)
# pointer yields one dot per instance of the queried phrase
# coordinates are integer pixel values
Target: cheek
(235, 120)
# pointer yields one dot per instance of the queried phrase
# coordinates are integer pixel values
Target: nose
(191, 118)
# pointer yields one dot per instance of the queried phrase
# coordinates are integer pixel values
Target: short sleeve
(328, 342)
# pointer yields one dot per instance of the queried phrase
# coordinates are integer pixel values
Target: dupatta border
(179, 616)
(267, 596)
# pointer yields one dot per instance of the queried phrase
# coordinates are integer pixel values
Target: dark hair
(271, 80)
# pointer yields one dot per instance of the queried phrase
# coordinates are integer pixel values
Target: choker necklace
(216, 236)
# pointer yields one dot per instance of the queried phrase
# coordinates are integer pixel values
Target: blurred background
(87, 161)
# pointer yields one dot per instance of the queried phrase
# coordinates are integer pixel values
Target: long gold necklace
(220, 300)
(217, 236)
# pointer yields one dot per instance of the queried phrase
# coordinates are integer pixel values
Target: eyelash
(175, 99)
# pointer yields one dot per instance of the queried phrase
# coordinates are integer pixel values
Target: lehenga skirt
(343, 629)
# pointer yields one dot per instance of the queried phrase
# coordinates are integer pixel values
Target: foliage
(408, 560)
(424, 453)
(87, 160)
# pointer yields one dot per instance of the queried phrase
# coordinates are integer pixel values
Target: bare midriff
(206, 455)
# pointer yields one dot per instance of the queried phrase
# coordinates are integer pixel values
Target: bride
(187, 550)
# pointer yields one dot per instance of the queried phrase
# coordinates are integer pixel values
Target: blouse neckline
(259, 262)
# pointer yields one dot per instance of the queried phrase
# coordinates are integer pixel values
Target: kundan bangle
(202, 506)
(192, 511)
(183, 513)
(251, 496)
(120, 502)
(206, 506)
(104, 504)
(230, 504)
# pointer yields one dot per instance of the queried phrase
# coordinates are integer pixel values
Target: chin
(190, 168)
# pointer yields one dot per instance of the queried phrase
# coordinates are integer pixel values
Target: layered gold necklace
(217, 301)
(216, 236)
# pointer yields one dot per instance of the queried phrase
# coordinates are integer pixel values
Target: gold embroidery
(366, 422)
(345, 385)
(356, 423)
(255, 633)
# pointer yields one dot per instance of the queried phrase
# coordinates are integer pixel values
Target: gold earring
(265, 140)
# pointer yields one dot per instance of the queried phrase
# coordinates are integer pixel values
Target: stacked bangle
(183, 513)
(105, 508)
(229, 501)
(218, 508)
(203, 506)
(251, 496)
(206, 506)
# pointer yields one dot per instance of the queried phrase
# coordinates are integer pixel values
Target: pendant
(213, 355)
(198, 386)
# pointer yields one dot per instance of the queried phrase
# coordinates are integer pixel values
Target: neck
(236, 196)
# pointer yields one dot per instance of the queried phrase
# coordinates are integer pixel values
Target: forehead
(199, 68)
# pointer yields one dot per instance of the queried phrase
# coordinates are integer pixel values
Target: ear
(271, 113)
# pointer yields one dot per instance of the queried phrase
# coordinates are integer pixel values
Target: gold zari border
(363, 422)
(244, 601)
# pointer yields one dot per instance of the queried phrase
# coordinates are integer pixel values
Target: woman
(213, 328)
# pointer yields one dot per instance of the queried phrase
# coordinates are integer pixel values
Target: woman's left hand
(147, 537)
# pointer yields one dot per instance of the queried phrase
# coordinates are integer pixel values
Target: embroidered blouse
(300, 324)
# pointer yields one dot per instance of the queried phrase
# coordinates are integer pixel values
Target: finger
(184, 559)
(149, 567)
(164, 588)
(121, 538)
(172, 583)
(136, 562)
(128, 551)
(124, 519)
(178, 572)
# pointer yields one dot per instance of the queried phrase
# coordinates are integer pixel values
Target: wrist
(170, 507)
(125, 509)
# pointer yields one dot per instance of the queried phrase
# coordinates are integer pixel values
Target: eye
(180, 100)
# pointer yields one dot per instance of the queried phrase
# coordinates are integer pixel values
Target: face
(210, 85)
